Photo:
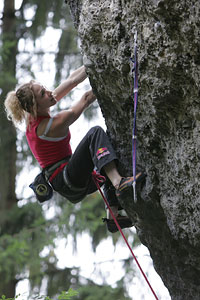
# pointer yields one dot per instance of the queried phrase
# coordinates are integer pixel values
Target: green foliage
(3, 297)
(14, 251)
(18, 218)
(22, 237)
(105, 293)
(63, 296)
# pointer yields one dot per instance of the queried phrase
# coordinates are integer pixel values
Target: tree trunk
(7, 131)
(166, 214)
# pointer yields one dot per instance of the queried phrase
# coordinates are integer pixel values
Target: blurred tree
(7, 131)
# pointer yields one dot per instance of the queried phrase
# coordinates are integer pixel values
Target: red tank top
(47, 152)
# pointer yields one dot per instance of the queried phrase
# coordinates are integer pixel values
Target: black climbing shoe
(124, 222)
(125, 189)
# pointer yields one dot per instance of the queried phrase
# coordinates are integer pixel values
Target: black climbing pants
(93, 152)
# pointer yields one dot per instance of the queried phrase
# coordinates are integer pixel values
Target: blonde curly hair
(20, 105)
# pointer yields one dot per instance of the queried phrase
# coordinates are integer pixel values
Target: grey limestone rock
(167, 213)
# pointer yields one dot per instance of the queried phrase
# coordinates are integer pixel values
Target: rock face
(167, 213)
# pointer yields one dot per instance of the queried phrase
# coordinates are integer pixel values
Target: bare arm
(73, 80)
(66, 117)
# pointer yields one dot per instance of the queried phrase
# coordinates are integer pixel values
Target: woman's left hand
(90, 97)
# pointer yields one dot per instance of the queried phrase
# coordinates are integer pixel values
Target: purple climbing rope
(134, 133)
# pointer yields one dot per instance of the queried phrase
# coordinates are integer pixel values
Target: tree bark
(167, 212)
(8, 133)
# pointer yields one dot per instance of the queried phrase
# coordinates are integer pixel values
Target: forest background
(45, 249)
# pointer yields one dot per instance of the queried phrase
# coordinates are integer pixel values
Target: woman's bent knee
(95, 129)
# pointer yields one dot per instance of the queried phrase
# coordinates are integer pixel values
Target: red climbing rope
(99, 179)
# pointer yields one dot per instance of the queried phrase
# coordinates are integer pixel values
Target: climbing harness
(134, 135)
(98, 179)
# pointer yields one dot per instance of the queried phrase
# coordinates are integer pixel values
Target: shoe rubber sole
(125, 189)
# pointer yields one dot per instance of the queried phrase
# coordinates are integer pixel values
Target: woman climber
(49, 140)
